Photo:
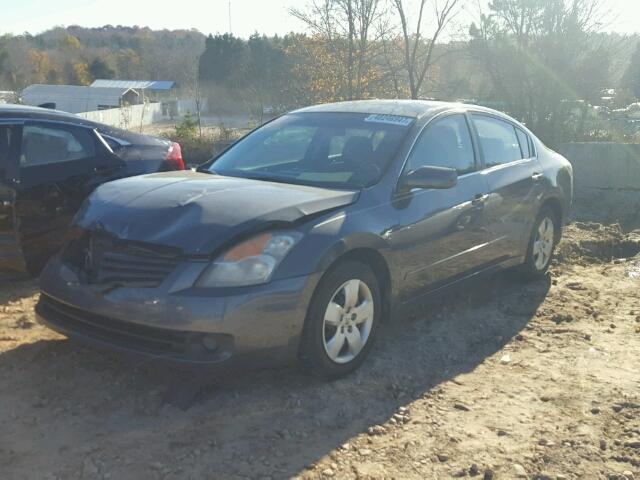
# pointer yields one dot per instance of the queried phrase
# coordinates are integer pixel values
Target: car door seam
(457, 255)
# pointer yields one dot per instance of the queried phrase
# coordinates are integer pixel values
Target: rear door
(515, 183)
(59, 165)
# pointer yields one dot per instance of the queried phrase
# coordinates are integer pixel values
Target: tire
(329, 346)
(542, 243)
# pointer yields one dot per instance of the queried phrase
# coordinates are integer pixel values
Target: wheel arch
(555, 205)
(372, 258)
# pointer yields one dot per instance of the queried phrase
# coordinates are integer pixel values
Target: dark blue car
(50, 162)
(300, 239)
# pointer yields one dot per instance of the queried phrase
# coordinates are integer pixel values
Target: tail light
(174, 157)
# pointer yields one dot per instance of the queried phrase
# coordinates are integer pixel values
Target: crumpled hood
(198, 212)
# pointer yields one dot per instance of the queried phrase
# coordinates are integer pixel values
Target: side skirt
(458, 282)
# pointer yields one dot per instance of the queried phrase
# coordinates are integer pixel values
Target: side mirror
(430, 177)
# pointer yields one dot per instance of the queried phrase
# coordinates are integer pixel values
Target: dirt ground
(499, 380)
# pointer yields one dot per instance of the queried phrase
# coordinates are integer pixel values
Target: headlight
(251, 262)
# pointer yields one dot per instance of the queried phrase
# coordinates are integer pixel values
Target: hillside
(77, 55)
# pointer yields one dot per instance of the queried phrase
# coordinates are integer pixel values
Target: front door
(443, 232)
(11, 257)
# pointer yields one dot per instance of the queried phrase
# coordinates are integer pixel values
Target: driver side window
(445, 143)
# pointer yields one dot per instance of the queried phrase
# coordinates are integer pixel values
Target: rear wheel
(342, 320)
(541, 245)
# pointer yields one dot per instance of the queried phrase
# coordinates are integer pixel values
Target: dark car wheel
(541, 245)
(342, 320)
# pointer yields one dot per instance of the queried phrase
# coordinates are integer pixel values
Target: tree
(346, 28)
(418, 51)
(128, 63)
(223, 61)
(544, 61)
(123, 52)
(4, 60)
(40, 65)
(98, 68)
(79, 73)
(71, 42)
(631, 78)
(266, 69)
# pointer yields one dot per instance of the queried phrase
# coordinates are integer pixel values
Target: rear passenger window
(498, 140)
(446, 143)
(43, 145)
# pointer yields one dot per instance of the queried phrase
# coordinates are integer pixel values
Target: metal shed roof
(74, 91)
(135, 84)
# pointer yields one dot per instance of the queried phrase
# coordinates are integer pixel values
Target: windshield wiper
(266, 178)
(203, 169)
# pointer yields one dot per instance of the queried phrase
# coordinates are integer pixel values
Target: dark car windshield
(339, 150)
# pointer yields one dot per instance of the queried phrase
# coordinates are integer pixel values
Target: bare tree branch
(416, 65)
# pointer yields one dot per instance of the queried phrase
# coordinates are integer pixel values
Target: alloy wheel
(348, 320)
(543, 243)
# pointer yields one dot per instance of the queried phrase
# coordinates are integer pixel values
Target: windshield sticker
(389, 119)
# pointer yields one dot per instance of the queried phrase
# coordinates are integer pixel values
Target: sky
(208, 16)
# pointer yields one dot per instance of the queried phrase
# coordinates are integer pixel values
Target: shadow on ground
(275, 422)
(15, 287)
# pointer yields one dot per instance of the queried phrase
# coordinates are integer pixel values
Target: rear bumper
(259, 324)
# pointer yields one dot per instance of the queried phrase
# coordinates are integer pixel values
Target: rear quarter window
(525, 143)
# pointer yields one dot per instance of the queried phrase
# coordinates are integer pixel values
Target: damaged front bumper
(176, 321)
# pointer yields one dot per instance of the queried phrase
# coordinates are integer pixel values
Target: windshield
(336, 150)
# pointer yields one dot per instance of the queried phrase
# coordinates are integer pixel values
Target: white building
(76, 99)
(7, 96)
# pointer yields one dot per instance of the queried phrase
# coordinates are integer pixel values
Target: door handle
(479, 200)
(536, 177)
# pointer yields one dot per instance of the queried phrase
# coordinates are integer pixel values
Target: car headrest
(357, 149)
(445, 135)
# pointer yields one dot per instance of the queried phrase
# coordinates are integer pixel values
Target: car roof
(24, 111)
(406, 108)
(37, 113)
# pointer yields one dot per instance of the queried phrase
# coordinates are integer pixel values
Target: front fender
(332, 238)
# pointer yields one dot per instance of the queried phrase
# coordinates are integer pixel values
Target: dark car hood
(198, 212)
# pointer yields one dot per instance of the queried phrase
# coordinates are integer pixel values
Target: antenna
(230, 31)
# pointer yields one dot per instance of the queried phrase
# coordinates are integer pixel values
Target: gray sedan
(298, 241)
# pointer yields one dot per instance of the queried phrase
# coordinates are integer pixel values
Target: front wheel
(342, 320)
(541, 245)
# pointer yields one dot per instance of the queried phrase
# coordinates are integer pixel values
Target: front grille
(131, 336)
(104, 260)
